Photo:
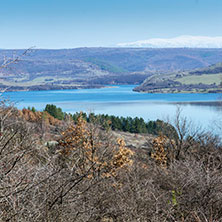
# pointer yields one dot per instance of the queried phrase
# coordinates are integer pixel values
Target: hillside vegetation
(204, 80)
(96, 67)
(65, 170)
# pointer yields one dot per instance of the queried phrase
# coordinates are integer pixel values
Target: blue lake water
(122, 101)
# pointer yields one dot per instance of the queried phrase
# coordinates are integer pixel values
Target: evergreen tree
(54, 111)
(33, 109)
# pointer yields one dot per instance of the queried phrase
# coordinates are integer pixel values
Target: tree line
(125, 124)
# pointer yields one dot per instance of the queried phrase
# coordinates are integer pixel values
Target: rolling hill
(204, 80)
(96, 67)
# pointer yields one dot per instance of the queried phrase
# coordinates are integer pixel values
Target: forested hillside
(95, 67)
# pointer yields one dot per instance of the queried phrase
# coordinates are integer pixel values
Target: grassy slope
(205, 79)
(199, 80)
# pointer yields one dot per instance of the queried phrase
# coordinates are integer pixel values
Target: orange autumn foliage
(38, 116)
(87, 152)
(159, 153)
(163, 150)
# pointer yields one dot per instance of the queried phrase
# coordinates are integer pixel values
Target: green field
(205, 79)
(36, 81)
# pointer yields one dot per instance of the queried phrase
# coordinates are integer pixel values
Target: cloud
(178, 42)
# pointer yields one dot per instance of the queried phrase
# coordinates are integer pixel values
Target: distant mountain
(95, 67)
(185, 41)
(202, 80)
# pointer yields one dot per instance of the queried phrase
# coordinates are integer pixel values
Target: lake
(122, 101)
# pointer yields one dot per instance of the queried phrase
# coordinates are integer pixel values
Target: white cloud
(178, 42)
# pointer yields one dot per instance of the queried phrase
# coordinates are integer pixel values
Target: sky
(104, 23)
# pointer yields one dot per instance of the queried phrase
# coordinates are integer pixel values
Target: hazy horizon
(111, 47)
